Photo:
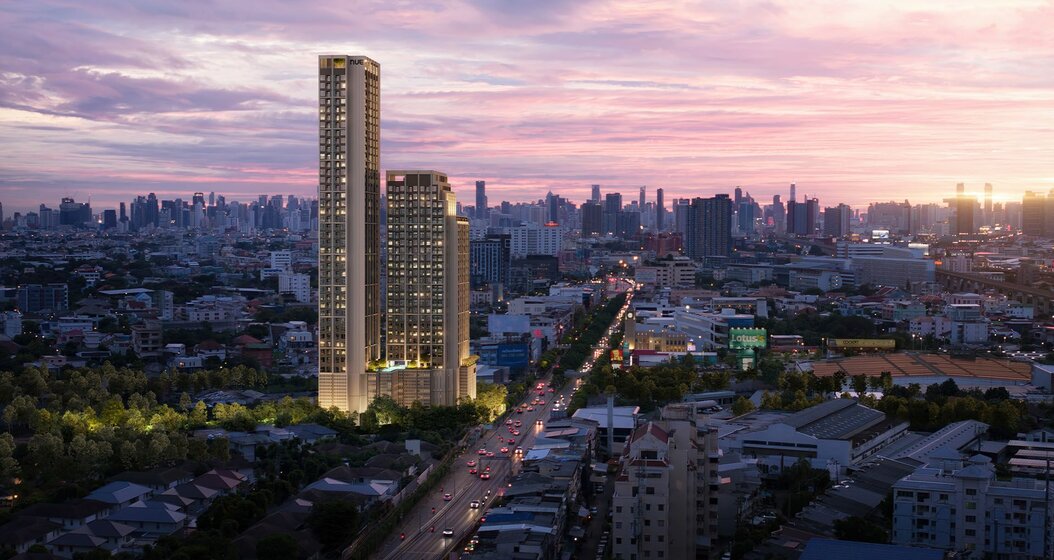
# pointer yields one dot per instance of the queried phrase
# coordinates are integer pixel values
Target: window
(662, 507)
(971, 519)
(971, 491)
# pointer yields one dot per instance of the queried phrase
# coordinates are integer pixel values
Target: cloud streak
(853, 101)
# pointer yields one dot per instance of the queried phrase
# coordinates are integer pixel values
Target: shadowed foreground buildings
(666, 491)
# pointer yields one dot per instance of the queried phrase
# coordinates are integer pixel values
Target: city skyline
(910, 109)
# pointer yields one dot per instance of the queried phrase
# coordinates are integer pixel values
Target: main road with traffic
(480, 475)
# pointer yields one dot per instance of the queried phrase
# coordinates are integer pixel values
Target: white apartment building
(665, 500)
(534, 239)
(958, 504)
(678, 272)
(297, 284)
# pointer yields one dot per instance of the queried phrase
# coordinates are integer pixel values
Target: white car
(448, 532)
(474, 504)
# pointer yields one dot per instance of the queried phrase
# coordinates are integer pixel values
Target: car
(541, 393)
(530, 409)
(538, 422)
(490, 454)
(504, 449)
(518, 423)
(474, 504)
(508, 422)
(484, 476)
(551, 390)
(447, 497)
(482, 452)
(488, 470)
(471, 463)
(516, 433)
(519, 411)
(448, 532)
(541, 403)
(519, 451)
(472, 471)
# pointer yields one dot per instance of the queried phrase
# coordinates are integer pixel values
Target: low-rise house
(70, 515)
(21, 533)
(158, 480)
(201, 496)
(120, 494)
(116, 537)
(151, 519)
(75, 543)
(222, 480)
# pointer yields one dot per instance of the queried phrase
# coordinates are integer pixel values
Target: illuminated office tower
(428, 294)
(349, 305)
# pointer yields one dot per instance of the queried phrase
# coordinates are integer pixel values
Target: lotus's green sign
(745, 339)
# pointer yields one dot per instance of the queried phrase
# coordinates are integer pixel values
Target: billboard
(883, 343)
(745, 339)
(616, 356)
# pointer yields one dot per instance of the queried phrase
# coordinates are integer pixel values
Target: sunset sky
(854, 102)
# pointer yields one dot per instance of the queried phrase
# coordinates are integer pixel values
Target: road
(420, 542)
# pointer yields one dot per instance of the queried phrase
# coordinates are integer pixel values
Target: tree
(387, 410)
(742, 406)
(333, 522)
(8, 464)
(860, 384)
(490, 399)
(280, 546)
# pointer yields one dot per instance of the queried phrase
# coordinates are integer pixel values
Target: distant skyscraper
(964, 211)
(349, 228)
(802, 216)
(988, 204)
(793, 197)
(660, 210)
(1033, 213)
(592, 219)
(643, 191)
(836, 220)
(481, 200)
(595, 197)
(428, 293)
(738, 196)
(709, 227)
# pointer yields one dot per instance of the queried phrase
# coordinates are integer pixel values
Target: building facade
(957, 504)
(349, 228)
(662, 500)
(428, 294)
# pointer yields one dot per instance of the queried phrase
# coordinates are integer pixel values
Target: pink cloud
(851, 101)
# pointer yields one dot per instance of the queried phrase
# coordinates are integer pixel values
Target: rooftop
(835, 419)
(825, 549)
(927, 365)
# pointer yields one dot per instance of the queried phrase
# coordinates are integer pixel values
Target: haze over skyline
(853, 102)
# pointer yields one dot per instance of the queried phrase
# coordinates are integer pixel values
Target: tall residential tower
(428, 294)
(349, 306)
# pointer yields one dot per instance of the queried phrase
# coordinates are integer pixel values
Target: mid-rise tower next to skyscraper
(349, 295)
(428, 294)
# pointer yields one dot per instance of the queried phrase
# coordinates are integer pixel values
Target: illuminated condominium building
(349, 299)
(428, 294)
